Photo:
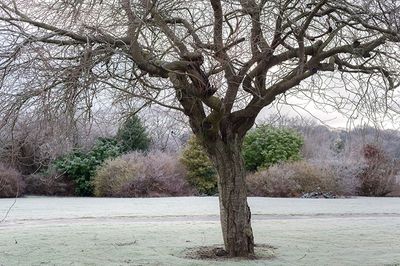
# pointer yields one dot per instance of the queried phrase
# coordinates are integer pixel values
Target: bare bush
(11, 183)
(346, 173)
(272, 182)
(50, 183)
(293, 179)
(142, 175)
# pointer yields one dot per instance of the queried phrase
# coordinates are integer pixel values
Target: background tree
(132, 135)
(219, 62)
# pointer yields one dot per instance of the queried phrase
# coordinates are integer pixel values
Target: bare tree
(219, 62)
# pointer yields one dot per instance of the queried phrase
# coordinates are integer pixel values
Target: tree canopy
(215, 60)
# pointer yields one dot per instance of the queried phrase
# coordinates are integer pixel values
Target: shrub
(81, 166)
(113, 174)
(265, 146)
(142, 175)
(378, 178)
(346, 172)
(396, 189)
(313, 178)
(272, 182)
(49, 183)
(201, 172)
(292, 179)
(132, 135)
(11, 183)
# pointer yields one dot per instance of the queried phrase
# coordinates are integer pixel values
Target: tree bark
(234, 211)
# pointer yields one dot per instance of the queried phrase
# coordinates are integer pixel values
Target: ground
(158, 231)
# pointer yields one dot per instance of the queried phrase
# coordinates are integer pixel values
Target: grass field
(156, 231)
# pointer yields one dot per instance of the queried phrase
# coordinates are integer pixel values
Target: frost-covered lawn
(155, 231)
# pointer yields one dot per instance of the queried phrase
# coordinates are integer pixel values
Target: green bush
(81, 166)
(266, 145)
(132, 135)
(201, 172)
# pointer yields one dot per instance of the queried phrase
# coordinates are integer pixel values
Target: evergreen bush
(81, 166)
(265, 146)
(201, 172)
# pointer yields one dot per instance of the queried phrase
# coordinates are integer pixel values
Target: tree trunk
(234, 210)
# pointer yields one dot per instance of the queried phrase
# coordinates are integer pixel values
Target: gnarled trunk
(234, 210)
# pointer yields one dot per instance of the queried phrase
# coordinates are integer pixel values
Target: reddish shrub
(378, 178)
(11, 182)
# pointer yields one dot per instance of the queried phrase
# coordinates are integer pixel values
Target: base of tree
(217, 253)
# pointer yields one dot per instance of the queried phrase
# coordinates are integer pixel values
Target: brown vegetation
(378, 178)
(11, 182)
(50, 183)
(292, 179)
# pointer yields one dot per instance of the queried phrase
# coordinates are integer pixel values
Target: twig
(12, 205)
